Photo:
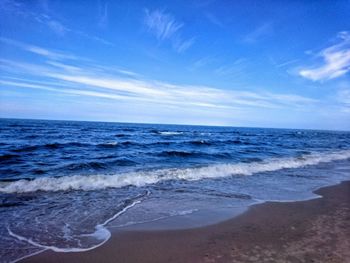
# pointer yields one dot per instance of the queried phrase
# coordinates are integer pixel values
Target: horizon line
(173, 124)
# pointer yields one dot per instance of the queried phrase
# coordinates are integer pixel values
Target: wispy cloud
(259, 33)
(285, 63)
(336, 61)
(56, 26)
(94, 38)
(78, 92)
(164, 26)
(100, 81)
(161, 24)
(103, 15)
(201, 62)
(55, 55)
(182, 45)
(55, 58)
(214, 19)
(46, 17)
(343, 97)
(234, 69)
(60, 29)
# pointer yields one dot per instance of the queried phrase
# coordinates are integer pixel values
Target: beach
(316, 230)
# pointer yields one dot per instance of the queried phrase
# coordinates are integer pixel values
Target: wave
(184, 154)
(176, 154)
(85, 165)
(131, 143)
(119, 135)
(201, 143)
(142, 178)
(98, 165)
(108, 144)
(50, 146)
(116, 144)
(128, 129)
(167, 133)
(53, 146)
(101, 233)
(217, 142)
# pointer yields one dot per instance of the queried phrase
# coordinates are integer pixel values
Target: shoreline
(316, 230)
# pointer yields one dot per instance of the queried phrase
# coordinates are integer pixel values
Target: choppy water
(62, 183)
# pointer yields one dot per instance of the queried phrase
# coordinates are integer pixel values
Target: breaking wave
(142, 178)
(167, 133)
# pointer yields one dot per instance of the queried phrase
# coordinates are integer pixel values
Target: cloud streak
(164, 27)
(161, 24)
(54, 25)
(258, 33)
(55, 55)
(108, 83)
(343, 97)
(44, 16)
(60, 29)
(103, 16)
(336, 61)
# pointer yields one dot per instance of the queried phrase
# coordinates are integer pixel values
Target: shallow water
(62, 183)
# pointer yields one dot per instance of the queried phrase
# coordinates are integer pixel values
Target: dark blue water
(63, 184)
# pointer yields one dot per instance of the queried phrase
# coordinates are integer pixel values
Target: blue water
(62, 183)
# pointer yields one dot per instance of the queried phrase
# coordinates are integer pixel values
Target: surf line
(98, 229)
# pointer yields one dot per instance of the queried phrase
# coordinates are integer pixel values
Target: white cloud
(202, 62)
(161, 24)
(336, 61)
(62, 90)
(60, 29)
(102, 82)
(83, 77)
(57, 27)
(214, 19)
(164, 26)
(285, 63)
(132, 87)
(182, 45)
(54, 25)
(259, 33)
(343, 97)
(94, 38)
(45, 16)
(103, 15)
(54, 55)
(236, 68)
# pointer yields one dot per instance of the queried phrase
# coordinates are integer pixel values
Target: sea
(66, 185)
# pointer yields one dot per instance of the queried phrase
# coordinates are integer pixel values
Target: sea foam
(142, 178)
(101, 233)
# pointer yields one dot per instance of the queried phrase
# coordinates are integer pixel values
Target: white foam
(96, 182)
(170, 133)
(110, 143)
(101, 233)
(184, 212)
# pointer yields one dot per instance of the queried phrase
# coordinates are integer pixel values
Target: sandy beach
(316, 230)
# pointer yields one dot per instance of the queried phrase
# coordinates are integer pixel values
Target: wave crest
(142, 178)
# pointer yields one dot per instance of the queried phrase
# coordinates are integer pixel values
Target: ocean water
(63, 184)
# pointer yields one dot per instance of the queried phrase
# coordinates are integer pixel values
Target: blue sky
(239, 63)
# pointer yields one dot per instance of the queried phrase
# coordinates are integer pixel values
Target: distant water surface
(62, 183)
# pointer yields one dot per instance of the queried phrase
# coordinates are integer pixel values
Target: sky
(282, 64)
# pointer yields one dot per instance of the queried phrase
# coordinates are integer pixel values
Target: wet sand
(317, 230)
